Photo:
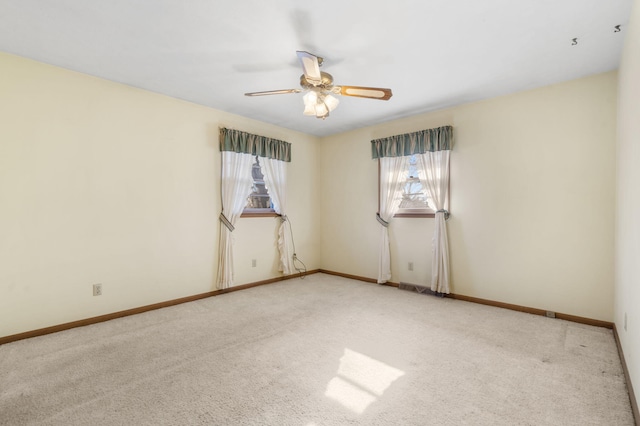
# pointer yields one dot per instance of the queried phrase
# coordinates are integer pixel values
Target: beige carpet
(318, 351)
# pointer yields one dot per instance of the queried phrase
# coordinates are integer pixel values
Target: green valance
(262, 146)
(438, 139)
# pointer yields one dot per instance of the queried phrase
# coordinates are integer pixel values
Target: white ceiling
(431, 53)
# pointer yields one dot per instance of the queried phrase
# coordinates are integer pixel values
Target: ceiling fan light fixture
(319, 104)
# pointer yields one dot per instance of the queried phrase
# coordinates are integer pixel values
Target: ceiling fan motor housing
(326, 82)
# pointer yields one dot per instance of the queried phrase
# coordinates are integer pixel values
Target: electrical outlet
(625, 321)
(411, 266)
(97, 289)
(550, 314)
(253, 263)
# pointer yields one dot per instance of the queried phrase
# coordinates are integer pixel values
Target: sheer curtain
(236, 184)
(434, 146)
(392, 176)
(275, 178)
(436, 168)
(238, 151)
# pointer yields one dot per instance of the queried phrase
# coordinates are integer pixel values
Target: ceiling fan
(319, 88)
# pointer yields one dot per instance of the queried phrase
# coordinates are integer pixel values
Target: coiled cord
(302, 270)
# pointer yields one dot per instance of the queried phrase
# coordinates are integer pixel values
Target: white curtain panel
(392, 177)
(436, 168)
(275, 178)
(236, 184)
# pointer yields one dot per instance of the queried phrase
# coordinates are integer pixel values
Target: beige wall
(627, 289)
(104, 183)
(532, 195)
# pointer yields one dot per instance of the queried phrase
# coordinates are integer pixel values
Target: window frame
(421, 213)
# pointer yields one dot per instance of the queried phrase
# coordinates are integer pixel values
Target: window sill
(415, 215)
(259, 213)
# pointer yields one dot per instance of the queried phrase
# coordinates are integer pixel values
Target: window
(414, 201)
(258, 202)
(414, 197)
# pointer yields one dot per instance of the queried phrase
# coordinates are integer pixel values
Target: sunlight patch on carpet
(360, 381)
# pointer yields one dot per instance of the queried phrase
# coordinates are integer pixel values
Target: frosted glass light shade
(331, 102)
(311, 98)
(321, 109)
(309, 109)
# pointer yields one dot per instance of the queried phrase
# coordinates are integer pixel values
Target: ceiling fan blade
(365, 92)
(273, 92)
(311, 66)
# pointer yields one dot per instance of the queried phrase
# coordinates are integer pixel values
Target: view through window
(415, 200)
(259, 200)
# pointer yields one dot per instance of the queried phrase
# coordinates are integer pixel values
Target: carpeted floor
(318, 351)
